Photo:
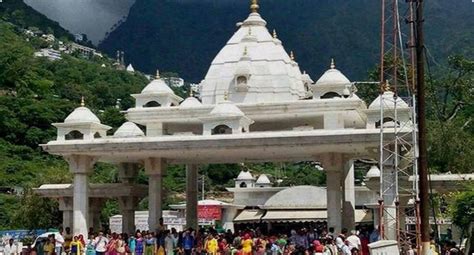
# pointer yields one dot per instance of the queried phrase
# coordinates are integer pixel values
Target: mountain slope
(185, 35)
(22, 15)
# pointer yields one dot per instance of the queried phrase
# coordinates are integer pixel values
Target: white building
(257, 106)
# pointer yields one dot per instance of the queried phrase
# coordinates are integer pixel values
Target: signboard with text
(210, 212)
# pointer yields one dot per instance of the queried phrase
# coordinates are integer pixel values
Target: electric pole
(422, 159)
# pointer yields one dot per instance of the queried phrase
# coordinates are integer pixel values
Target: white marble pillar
(333, 165)
(65, 206)
(155, 168)
(81, 167)
(389, 198)
(334, 196)
(348, 202)
(192, 196)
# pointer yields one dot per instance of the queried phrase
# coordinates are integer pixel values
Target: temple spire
(333, 64)
(82, 102)
(157, 74)
(292, 56)
(254, 6)
(275, 34)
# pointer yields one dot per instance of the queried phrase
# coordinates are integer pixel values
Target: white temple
(256, 106)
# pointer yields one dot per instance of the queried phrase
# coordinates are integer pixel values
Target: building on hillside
(130, 68)
(83, 50)
(48, 53)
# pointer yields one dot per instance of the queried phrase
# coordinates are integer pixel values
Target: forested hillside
(184, 36)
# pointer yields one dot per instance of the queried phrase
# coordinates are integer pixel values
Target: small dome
(333, 77)
(226, 109)
(80, 115)
(244, 175)
(389, 102)
(128, 129)
(191, 102)
(298, 197)
(263, 179)
(157, 86)
(130, 68)
(373, 172)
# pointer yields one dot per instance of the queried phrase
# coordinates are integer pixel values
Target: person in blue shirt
(188, 241)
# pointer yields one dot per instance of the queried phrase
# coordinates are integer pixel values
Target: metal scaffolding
(399, 197)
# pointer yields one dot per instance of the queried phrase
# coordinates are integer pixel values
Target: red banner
(210, 212)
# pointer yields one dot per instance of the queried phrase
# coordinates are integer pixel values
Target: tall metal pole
(422, 159)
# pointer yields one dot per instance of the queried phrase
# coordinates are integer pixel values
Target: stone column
(348, 203)
(65, 205)
(154, 129)
(333, 164)
(127, 207)
(95, 206)
(155, 168)
(192, 196)
(127, 172)
(81, 166)
(389, 196)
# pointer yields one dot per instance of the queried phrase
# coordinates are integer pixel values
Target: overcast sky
(91, 17)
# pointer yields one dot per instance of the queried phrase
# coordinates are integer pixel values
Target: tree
(36, 212)
(450, 112)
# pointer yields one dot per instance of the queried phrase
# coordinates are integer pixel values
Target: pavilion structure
(255, 105)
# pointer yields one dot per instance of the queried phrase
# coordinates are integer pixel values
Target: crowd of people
(210, 242)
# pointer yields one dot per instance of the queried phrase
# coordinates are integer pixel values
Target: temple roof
(158, 85)
(332, 77)
(80, 115)
(128, 129)
(272, 74)
(190, 102)
(389, 101)
(298, 197)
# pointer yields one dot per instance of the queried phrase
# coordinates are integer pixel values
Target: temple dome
(263, 179)
(226, 109)
(80, 115)
(191, 102)
(157, 86)
(244, 175)
(268, 73)
(298, 197)
(332, 77)
(389, 102)
(128, 129)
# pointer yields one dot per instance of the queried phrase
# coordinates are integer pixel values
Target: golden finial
(274, 34)
(226, 95)
(157, 74)
(333, 63)
(82, 101)
(254, 6)
(292, 56)
(245, 51)
(386, 86)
